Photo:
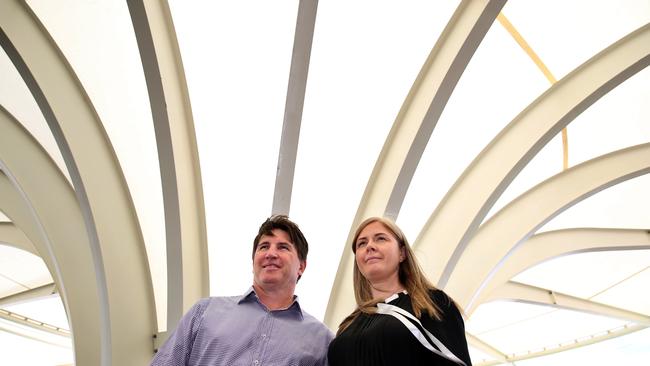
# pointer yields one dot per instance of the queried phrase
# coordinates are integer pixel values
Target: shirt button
(256, 362)
(263, 335)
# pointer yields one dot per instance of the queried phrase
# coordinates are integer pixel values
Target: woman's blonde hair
(410, 276)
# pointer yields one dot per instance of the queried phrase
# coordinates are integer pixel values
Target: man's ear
(301, 269)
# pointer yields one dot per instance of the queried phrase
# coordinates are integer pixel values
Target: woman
(401, 319)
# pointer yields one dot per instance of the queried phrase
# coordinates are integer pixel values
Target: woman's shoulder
(443, 301)
(439, 297)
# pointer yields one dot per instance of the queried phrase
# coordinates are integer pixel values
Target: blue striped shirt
(240, 330)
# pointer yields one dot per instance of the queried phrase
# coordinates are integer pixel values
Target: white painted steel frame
(36, 293)
(547, 245)
(301, 54)
(14, 237)
(187, 253)
(609, 334)
(454, 222)
(410, 132)
(498, 237)
(38, 199)
(522, 292)
(126, 307)
(33, 323)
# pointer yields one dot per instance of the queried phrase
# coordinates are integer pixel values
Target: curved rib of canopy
(33, 323)
(303, 37)
(521, 292)
(486, 348)
(12, 236)
(187, 253)
(411, 130)
(544, 246)
(490, 247)
(577, 343)
(39, 200)
(455, 221)
(37, 293)
(111, 225)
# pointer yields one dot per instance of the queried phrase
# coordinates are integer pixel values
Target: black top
(380, 339)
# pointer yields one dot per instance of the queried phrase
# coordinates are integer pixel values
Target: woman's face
(378, 254)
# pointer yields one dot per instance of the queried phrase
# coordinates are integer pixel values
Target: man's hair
(282, 222)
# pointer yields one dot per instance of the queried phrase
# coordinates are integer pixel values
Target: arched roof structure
(142, 143)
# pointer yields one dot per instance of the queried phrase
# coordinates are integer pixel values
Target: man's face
(275, 263)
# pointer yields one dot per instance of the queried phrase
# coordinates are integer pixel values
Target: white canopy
(143, 142)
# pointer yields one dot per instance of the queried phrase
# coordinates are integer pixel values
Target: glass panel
(20, 271)
(22, 345)
(625, 205)
(236, 59)
(616, 121)
(585, 274)
(564, 36)
(18, 101)
(625, 294)
(631, 349)
(499, 82)
(351, 103)
(542, 328)
(106, 59)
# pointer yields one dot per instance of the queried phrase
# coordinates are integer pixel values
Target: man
(266, 325)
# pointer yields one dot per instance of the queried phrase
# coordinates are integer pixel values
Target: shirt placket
(264, 332)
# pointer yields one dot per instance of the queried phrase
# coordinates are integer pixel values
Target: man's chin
(269, 281)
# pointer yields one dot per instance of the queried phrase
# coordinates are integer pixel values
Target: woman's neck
(383, 289)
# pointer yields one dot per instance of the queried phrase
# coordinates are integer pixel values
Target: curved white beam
(456, 219)
(128, 310)
(30, 337)
(32, 323)
(300, 56)
(187, 252)
(40, 202)
(522, 292)
(411, 131)
(37, 293)
(496, 238)
(543, 246)
(12, 236)
(577, 343)
(479, 344)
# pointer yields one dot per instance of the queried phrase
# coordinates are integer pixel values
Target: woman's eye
(360, 244)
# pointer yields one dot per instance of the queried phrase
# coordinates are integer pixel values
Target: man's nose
(271, 253)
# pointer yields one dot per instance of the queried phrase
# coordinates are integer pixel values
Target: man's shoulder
(219, 302)
(315, 324)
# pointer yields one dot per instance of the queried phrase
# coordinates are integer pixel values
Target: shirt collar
(250, 295)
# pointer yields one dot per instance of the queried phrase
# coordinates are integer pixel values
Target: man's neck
(274, 299)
